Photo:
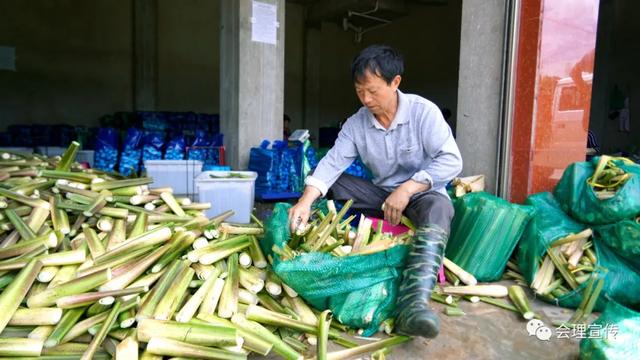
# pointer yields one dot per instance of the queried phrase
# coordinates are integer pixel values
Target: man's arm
(441, 147)
(341, 155)
(446, 164)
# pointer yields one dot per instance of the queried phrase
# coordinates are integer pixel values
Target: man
(405, 142)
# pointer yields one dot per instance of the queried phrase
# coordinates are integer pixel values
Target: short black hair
(381, 60)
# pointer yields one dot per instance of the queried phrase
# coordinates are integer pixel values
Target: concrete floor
(488, 332)
(484, 332)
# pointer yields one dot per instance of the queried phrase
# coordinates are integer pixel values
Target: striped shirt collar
(400, 117)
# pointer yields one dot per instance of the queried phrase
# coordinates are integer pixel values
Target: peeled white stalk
(211, 299)
(479, 290)
(63, 275)
(41, 332)
(292, 293)
(189, 309)
(47, 273)
(36, 316)
(105, 223)
(251, 281)
(245, 260)
(247, 297)
(127, 349)
(172, 203)
(464, 276)
(200, 242)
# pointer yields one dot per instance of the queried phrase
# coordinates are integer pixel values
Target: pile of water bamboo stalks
(608, 178)
(94, 266)
(458, 285)
(569, 262)
(331, 232)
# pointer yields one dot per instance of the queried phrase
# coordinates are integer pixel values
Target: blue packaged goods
(152, 144)
(359, 169)
(285, 172)
(42, 135)
(216, 168)
(175, 148)
(283, 167)
(62, 135)
(217, 140)
(106, 153)
(153, 120)
(131, 152)
(200, 146)
(310, 155)
(5, 139)
(264, 161)
(21, 135)
(84, 137)
(208, 122)
(186, 122)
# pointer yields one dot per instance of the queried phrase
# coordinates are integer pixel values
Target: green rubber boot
(415, 317)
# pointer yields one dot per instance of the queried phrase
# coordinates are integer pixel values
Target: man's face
(374, 92)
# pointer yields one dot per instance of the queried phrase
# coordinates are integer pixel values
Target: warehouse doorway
(324, 36)
(615, 102)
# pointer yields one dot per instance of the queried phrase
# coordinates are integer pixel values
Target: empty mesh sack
(484, 233)
(360, 290)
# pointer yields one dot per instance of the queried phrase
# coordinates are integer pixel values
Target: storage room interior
(74, 60)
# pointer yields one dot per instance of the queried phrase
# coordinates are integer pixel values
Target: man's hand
(300, 212)
(299, 215)
(395, 204)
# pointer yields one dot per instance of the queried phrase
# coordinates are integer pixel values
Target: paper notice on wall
(264, 23)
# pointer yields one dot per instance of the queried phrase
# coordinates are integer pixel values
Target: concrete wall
(188, 55)
(617, 59)
(73, 60)
(294, 64)
(429, 39)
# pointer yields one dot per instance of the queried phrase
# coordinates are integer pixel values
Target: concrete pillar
(251, 81)
(145, 54)
(479, 87)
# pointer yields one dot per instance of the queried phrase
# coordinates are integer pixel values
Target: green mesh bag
(360, 290)
(623, 344)
(624, 238)
(484, 233)
(549, 224)
(578, 199)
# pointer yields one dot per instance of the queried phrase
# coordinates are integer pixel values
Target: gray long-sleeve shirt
(418, 145)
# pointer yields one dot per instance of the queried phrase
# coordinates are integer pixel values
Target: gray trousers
(424, 209)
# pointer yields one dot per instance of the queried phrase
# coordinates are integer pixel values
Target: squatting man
(409, 148)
